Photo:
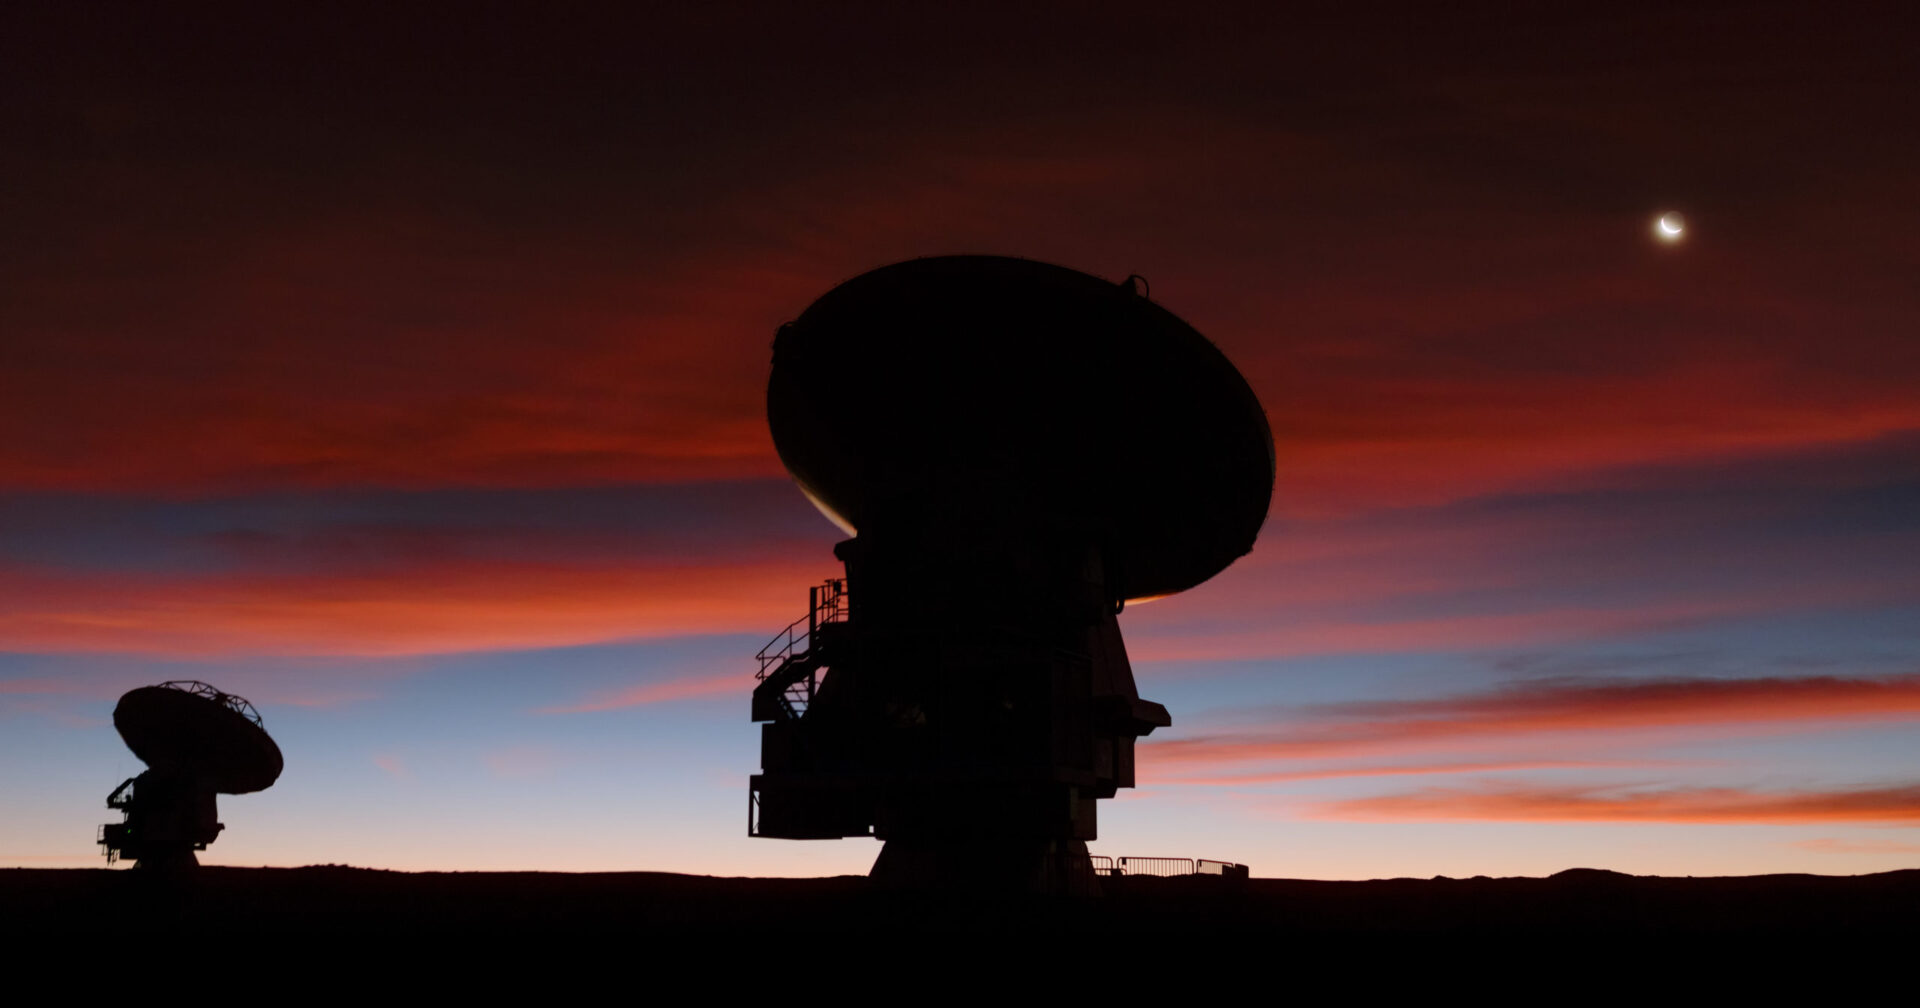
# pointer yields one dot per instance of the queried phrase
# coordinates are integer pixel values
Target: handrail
(792, 648)
(769, 657)
(827, 604)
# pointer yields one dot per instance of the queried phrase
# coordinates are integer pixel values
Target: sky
(404, 374)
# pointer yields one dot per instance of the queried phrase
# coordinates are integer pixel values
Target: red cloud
(360, 344)
(1677, 805)
(1553, 708)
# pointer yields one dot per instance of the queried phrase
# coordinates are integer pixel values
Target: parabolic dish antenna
(1008, 386)
(191, 726)
(197, 742)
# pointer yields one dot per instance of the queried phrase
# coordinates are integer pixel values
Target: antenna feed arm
(1128, 716)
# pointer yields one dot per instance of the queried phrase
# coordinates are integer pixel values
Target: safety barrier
(1164, 867)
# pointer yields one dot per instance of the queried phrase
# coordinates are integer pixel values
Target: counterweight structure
(1020, 448)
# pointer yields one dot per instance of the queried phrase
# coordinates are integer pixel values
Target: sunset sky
(405, 375)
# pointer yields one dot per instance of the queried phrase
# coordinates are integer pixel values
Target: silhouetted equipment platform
(1019, 449)
(197, 742)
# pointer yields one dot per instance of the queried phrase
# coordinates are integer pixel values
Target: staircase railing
(792, 647)
(827, 603)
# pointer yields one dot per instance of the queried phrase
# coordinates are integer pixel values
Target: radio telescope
(1019, 449)
(197, 742)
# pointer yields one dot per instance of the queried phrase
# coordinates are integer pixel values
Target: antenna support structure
(1019, 449)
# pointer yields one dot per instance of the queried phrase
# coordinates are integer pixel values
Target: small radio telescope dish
(197, 742)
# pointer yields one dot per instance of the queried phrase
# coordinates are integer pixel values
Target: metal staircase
(791, 663)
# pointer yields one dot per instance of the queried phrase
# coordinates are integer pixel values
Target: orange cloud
(1329, 773)
(736, 683)
(1550, 708)
(418, 609)
(1678, 805)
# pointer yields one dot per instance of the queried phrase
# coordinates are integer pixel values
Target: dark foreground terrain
(342, 900)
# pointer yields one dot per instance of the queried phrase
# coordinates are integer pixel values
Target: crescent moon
(1670, 225)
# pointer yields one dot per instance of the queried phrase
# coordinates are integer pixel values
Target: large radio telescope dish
(1018, 449)
(989, 384)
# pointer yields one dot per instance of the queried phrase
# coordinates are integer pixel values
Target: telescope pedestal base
(167, 861)
(1032, 867)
